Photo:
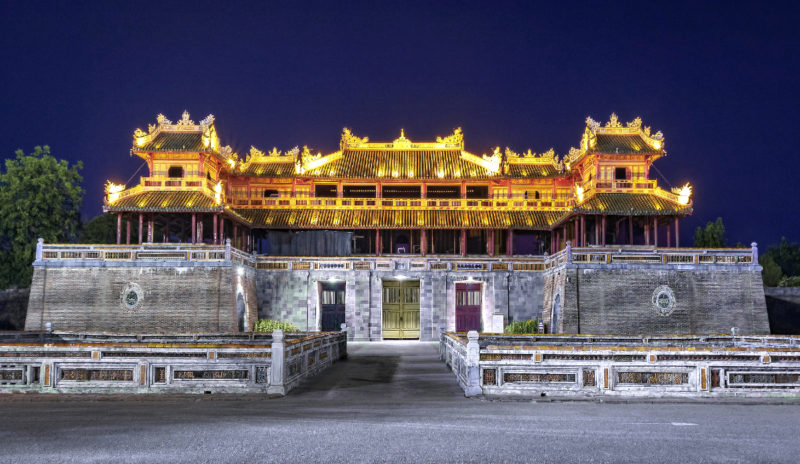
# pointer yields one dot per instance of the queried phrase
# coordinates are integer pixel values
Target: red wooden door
(468, 307)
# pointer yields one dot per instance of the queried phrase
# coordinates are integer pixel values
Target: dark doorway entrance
(332, 304)
(468, 307)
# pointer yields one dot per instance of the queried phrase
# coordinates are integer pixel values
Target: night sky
(720, 82)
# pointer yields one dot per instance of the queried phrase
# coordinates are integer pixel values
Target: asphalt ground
(389, 402)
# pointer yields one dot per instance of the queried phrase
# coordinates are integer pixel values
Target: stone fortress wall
(200, 288)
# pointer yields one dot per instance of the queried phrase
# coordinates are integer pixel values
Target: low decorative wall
(105, 363)
(650, 366)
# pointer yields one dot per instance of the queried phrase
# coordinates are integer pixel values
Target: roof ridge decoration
(614, 127)
(454, 141)
(306, 161)
(185, 124)
(489, 162)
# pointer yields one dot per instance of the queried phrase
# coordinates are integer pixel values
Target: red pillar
(119, 228)
(194, 228)
(221, 230)
(200, 235)
(215, 230)
(576, 233)
(490, 248)
(463, 242)
(630, 230)
(603, 230)
(677, 235)
(235, 235)
(377, 242)
(128, 231)
(646, 233)
(150, 230)
(655, 231)
(669, 236)
(510, 243)
(141, 220)
(583, 230)
(423, 238)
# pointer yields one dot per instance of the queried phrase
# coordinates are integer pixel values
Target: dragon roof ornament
(185, 124)
(454, 141)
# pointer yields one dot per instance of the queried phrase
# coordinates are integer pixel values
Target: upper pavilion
(401, 196)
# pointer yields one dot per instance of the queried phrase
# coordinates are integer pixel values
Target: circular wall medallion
(131, 296)
(663, 300)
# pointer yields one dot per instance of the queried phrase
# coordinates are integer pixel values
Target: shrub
(523, 327)
(793, 281)
(268, 325)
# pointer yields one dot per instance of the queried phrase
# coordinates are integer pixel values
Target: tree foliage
(40, 196)
(100, 229)
(771, 273)
(713, 236)
(787, 256)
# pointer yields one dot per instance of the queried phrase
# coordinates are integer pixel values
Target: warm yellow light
(231, 162)
(410, 173)
(395, 174)
(657, 144)
(684, 194)
(218, 193)
(579, 193)
(440, 174)
(113, 191)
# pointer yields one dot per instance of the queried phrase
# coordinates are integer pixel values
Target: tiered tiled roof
(399, 219)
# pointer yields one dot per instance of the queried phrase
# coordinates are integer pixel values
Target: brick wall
(172, 299)
(618, 299)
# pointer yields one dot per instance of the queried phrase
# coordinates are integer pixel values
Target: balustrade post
(753, 246)
(227, 249)
(569, 251)
(40, 246)
(276, 374)
(473, 387)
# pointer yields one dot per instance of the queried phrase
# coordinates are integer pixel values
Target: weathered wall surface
(294, 296)
(13, 306)
(170, 298)
(622, 299)
(783, 306)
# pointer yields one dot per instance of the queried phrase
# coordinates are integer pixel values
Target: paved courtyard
(389, 402)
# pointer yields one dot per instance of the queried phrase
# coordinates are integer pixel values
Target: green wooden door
(401, 309)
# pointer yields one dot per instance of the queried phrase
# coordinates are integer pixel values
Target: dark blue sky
(720, 82)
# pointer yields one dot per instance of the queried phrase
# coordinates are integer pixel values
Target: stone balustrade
(192, 363)
(643, 366)
(53, 254)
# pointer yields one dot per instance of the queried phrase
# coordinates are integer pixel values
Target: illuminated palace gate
(409, 201)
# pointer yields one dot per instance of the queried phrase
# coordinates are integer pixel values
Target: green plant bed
(523, 327)
(268, 325)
